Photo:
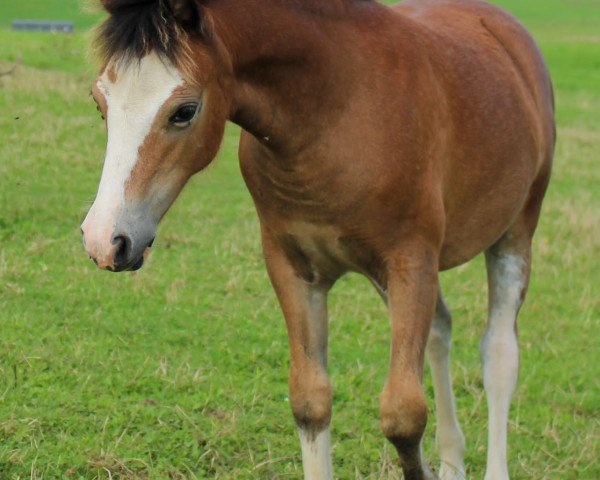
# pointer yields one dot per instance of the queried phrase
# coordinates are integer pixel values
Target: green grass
(180, 371)
(83, 13)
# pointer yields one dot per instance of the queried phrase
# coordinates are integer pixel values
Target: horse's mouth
(136, 265)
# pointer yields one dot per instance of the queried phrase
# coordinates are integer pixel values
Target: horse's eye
(184, 116)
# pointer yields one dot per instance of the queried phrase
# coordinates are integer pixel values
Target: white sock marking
(500, 356)
(449, 435)
(316, 455)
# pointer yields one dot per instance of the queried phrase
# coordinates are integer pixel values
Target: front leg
(304, 305)
(412, 293)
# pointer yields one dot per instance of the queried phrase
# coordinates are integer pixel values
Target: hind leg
(449, 435)
(508, 265)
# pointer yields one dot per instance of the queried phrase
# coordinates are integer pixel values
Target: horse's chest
(324, 252)
(315, 250)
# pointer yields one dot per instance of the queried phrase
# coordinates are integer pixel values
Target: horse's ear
(186, 12)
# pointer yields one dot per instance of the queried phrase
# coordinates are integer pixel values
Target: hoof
(429, 474)
(450, 472)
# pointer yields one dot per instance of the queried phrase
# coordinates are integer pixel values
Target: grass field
(180, 370)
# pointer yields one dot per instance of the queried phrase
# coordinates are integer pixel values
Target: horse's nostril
(123, 245)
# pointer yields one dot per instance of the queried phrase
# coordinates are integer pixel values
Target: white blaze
(133, 101)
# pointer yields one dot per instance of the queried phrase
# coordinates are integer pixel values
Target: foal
(394, 142)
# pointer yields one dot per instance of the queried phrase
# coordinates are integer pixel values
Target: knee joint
(311, 397)
(403, 418)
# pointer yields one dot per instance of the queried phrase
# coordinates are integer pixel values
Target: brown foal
(395, 142)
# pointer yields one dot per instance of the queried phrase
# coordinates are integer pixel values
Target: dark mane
(137, 27)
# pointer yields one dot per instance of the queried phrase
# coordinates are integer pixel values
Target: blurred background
(180, 370)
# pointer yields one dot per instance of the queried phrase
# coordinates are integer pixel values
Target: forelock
(135, 28)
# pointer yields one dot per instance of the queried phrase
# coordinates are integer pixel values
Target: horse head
(162, 97)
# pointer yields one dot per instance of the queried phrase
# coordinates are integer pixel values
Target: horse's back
(499, 121)
(471, 35)
(475, 23)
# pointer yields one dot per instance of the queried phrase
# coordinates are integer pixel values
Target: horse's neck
(290, 63)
